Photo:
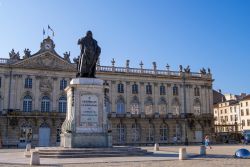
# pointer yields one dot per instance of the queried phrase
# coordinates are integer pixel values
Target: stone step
(58, 152)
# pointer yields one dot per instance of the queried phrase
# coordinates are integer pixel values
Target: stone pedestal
(86, 121)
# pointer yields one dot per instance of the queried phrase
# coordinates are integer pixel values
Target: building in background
(231, 115)
(144, 106)
(245, 113)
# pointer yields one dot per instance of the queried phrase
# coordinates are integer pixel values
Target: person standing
(207, 142)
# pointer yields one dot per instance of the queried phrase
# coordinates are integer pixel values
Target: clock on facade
(47, 46)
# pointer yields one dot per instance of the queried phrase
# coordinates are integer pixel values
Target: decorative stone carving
(66, 56)
(13, 55)
(187, 70)
(46, 61)
(203, 71)
(45, 85)
(26, 53)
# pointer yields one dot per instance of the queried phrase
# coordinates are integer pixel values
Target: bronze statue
(89, 55)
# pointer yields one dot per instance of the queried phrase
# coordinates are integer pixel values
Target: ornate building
(144, 106)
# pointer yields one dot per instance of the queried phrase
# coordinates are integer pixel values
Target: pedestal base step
(60, 152)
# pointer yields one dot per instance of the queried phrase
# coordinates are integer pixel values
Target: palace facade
(144, 106)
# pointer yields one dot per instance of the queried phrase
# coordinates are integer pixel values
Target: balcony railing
(151, 72)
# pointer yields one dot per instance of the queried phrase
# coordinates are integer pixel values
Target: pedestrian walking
(207, 142)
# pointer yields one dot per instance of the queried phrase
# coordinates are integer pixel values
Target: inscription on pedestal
(88, 121)
(89, 111)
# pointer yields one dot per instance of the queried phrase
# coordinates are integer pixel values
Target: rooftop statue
(89, 55)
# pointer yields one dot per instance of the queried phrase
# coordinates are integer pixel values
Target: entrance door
(198, 136)
(44, 136)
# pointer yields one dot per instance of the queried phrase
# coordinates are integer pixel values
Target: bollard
(202, 150)
(35, 158)
(182, 154)
(27, 150)
(156, 148)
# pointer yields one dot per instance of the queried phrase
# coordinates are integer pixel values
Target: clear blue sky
(199, 33)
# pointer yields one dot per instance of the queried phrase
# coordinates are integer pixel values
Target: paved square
(219, 155)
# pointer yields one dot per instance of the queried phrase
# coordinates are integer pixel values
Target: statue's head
(89, 34)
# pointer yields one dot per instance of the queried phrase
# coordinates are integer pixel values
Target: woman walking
(207, 142)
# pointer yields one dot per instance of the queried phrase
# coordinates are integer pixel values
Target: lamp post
(185, 107)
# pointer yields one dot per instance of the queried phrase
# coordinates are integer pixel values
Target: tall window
(243, 122)
(196, 91)
(28, 83)
(27, 104)
(175, 90)
(63, 84)
(162, 90)
(134, 88)
(248, 122)
(163, 132)
(242, 112)
(121, 132)
(135, 132)
(148, 89)
(120, 107)
(63, 104)
(150, 136)
(178, 131)
(247, 111)
(45, 106)
(120, 88)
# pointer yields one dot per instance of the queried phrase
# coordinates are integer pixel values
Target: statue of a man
(89, 55)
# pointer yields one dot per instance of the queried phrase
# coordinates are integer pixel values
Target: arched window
(62, 104)
(151, 130)
(120, 106)
(45, 105)
(135, 132)
(28, 83)
(27, 104)
(121, 132)
(175, 90)
(163, 132)
(63, 84)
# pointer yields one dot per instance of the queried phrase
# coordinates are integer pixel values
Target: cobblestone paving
(218, 156)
